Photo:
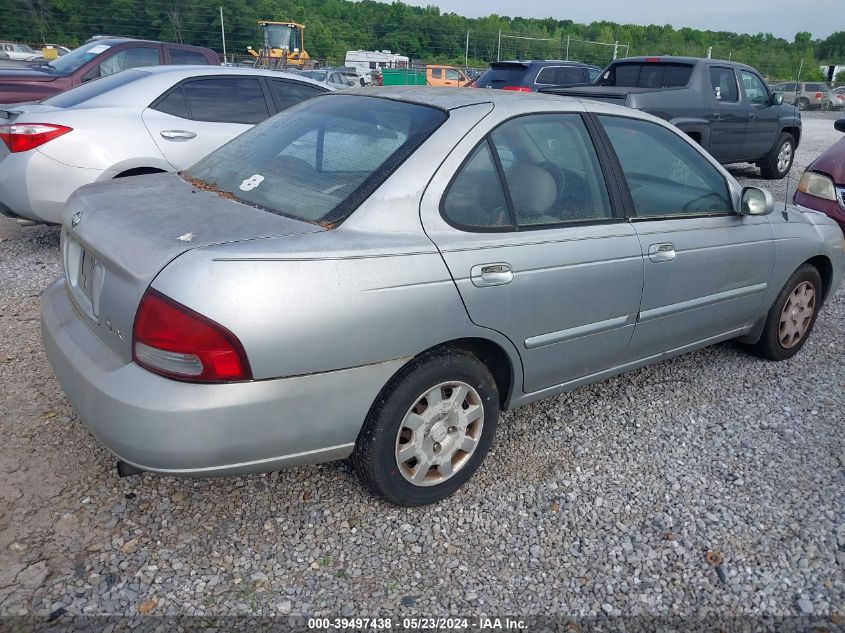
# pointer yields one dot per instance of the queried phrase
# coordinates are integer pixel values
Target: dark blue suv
(530, 76)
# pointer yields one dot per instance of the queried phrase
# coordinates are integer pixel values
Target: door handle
(491, 275)
(752, 116)
(177, 135)
(661, 252)
(717, 115)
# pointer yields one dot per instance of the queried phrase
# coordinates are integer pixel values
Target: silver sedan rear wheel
(439, 433)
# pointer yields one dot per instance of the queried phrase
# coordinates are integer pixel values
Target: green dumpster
(402, 77)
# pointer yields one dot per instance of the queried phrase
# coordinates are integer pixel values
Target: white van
(365, 62)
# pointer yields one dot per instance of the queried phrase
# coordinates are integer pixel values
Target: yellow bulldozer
(283, 46)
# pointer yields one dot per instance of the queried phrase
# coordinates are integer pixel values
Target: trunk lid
(9, 113)
(119, 235)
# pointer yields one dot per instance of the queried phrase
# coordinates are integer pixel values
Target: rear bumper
(34, 186)
(181, 428)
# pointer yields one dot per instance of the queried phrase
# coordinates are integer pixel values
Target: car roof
(446, 98)
(197, 70)
(539, 62)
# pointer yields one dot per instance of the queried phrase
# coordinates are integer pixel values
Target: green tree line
(422, 33)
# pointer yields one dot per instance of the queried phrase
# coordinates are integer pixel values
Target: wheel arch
(825, 268)
(795, 132)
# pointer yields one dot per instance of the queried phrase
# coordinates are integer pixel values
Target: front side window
(755, 90)
(124, 60)
(723, 82)
(552, 176)
(452, 74)
(666, 175)
(318, 161)
(226, 100)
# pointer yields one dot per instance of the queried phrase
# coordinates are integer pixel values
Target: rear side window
(226, 100)
(289, 93)
(317, 162)
(723, 82)
(552, 176)
(499, 76)
(665, 174)
(174, 104)
(181, 57)
(647, 75)
(560, 76)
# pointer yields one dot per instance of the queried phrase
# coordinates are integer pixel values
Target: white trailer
(365, 62)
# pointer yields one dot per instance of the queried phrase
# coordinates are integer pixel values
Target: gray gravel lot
(599, 502)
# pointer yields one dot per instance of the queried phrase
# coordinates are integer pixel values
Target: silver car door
(199, 115)
(536, 245)
(706, 267)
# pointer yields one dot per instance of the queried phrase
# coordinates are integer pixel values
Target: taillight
(174, 341)
(20, 137)
(652, 59)
(818, 95)
(517, 88)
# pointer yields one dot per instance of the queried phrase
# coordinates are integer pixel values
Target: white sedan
(139, 121)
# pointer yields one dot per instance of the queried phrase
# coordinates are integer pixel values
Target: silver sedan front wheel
(439, 433)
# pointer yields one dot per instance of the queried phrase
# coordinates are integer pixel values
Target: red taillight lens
(20, 137)
(517, 88)
(174, 341)
(652, 59)
(818, 95)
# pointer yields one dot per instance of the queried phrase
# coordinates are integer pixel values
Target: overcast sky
(782, 18)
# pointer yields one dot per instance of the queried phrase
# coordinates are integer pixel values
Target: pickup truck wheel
(792, 316)
(429, 429)
(779, 161)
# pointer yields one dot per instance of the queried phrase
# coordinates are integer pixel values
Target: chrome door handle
(661, 252)
(491, 275)
(178, 135)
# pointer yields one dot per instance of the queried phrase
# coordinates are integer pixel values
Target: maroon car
(822, 186)
(92, 60)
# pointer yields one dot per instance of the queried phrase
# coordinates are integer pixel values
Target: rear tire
(792, 316)
(779, 161)
(429, 430)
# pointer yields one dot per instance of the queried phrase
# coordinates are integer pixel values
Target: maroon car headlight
(818, 185)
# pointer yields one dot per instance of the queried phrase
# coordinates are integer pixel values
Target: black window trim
(269, 103)
(630, 208)
(616, 204)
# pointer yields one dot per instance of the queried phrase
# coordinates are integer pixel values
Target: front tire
(429, 429)
(792, 316)
(779, 161)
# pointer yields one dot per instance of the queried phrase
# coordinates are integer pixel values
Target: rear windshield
(318, 161)
(646, 75)
(92, 89)
(499, 76)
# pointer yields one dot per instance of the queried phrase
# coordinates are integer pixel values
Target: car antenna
(789, 173)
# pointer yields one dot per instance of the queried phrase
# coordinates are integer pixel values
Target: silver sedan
(139, 121)
(378, 273)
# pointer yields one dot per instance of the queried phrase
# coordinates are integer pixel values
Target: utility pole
(466, 54)
(223, 34)
(567, 48)
(800, 67)
(615, 48)
(499, 53)
(709, 52)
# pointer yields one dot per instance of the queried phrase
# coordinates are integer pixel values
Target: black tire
(769, 167)
(770, 345)
(375, 457)
(802, 104)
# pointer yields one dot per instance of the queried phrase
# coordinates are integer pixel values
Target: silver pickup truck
(726, 107)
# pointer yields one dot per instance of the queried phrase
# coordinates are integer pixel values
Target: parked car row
(811, 95)
(378, 272)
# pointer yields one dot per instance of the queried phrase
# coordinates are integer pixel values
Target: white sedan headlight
(818, 185)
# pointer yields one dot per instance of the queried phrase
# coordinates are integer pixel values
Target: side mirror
(839, 125)
(756, 201)
(777, 98)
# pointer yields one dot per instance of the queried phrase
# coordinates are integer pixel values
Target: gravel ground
(599, 502)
